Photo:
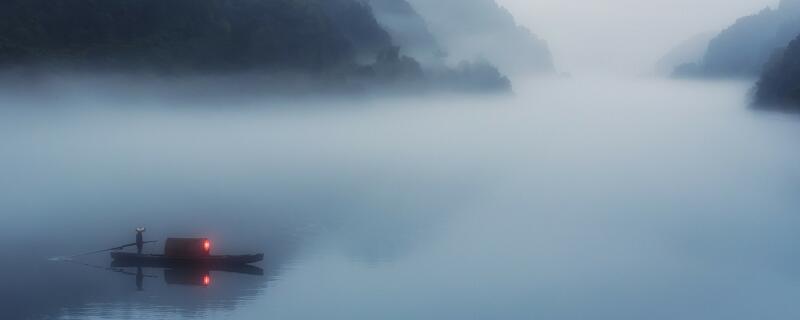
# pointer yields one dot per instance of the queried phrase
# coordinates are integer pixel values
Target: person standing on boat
(139, 239)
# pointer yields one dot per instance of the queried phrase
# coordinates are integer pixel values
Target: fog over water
(606, 198)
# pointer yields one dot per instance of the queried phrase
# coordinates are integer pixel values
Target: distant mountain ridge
(744, 48)
(690, 51)
(409, 30)
(482, 29)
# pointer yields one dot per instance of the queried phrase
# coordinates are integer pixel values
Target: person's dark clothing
(139, 242)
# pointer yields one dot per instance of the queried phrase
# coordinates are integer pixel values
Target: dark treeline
(780, 83)
(174, 35)
(339, 40)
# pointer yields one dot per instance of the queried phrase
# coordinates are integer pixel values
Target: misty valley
(396, 159)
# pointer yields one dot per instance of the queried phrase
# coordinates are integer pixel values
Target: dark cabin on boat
(187, 247)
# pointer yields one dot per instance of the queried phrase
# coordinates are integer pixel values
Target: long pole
(110, 249)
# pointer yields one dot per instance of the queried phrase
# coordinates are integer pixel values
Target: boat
(134, 259)
(185, 251)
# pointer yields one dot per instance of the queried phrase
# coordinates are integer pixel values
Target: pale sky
(623, 35)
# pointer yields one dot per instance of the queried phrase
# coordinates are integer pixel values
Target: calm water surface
(595, 198)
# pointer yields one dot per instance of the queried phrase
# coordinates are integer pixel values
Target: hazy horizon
(623, 36)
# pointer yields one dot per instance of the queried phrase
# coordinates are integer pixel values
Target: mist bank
(343, 45)
(97, 91)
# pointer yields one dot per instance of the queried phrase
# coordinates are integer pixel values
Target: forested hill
(780, 82)
(308, 35)
(339, 42)
(742, 49)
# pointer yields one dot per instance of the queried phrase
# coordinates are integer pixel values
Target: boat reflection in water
(181, 274)
(151, 290)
